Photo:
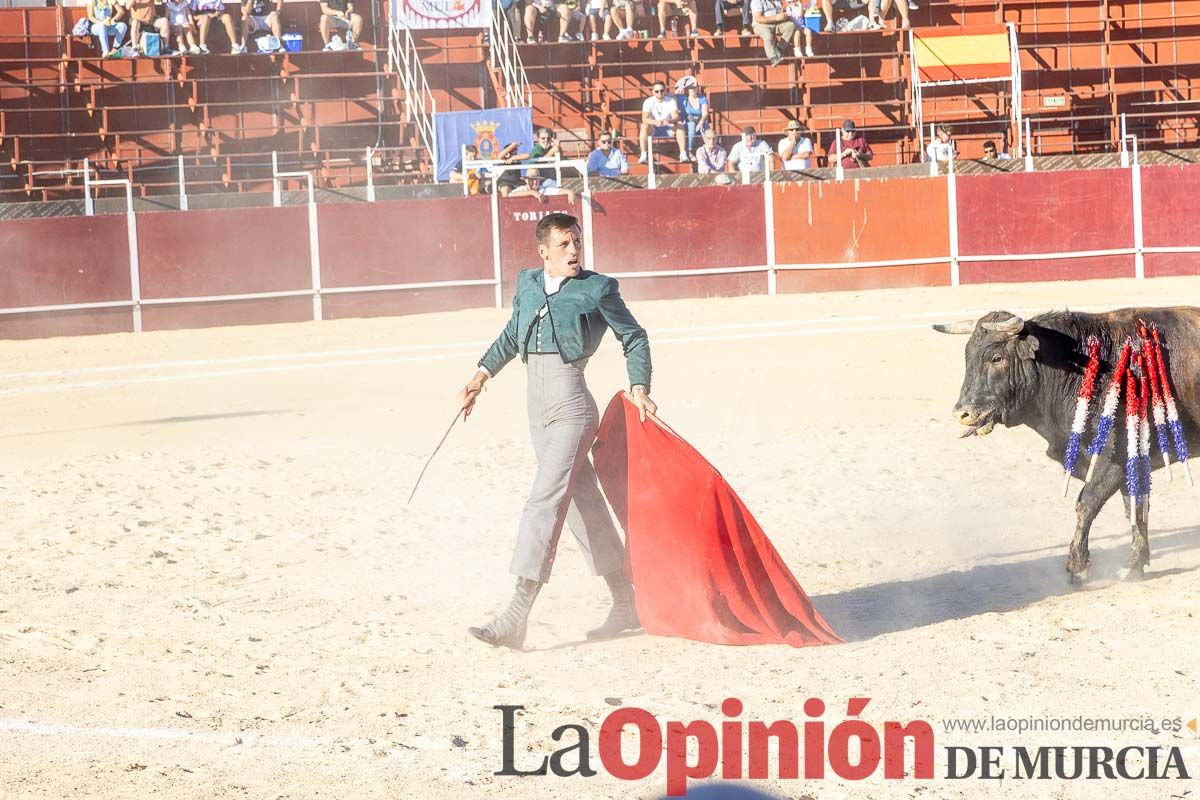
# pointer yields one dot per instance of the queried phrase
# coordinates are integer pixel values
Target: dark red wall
(1044, 212)
(1169, 219)
(63, 260)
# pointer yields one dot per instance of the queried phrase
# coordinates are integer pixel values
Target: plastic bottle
(675, 26)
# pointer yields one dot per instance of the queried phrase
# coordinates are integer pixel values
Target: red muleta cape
(702, 566)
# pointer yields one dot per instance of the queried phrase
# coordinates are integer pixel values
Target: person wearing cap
(750, 154)
(855, 152)
(795, 148)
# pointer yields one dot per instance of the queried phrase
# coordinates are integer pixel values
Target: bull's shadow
(870, 611)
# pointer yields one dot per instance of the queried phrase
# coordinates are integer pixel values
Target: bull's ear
(1027, 346)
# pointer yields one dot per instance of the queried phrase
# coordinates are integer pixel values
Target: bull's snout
(979, 420)
(966, 414)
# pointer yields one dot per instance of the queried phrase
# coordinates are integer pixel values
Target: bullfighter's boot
(623, 615)
(508, 629)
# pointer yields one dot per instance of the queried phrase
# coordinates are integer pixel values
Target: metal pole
(275, 193)
(651, 179)
(1139, 257)
(370, 177)
(314, 249)
(496, 238)
(88, 207)
(135, 277)
(183, 201)
(769, 222)
(952, 208)
(839, 172)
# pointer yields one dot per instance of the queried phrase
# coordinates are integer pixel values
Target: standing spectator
(855, 150)
(661, 117)
(942, 147)
(597, 13)
(105, 16)
(512, 15)
(989, 151)
(796, 148)
(711, 157)
(340, 14)
(751, 154)
(606, 160)
(686, 7)
(772, 23)
(148, 13)
(203, 11)
(183, 26)
(262, 16)
(695, 112)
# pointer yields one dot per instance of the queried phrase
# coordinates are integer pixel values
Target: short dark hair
(989, 145)
(556, 221)
(749, 129)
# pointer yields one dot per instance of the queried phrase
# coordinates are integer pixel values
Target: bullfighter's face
(1000, 373)
(563, 253)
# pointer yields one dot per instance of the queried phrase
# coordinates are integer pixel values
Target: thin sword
(429, 461)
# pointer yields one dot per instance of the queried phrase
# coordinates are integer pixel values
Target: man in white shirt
(989, 151)
(751, 154)
(661, 117)
(942, 147)
(795, 148)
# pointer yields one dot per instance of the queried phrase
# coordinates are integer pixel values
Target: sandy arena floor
(210, 585)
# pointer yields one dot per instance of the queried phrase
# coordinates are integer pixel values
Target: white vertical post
(1028, 147)
(370, 176)
(275, 193)
(651, 179)
(314, 249)
(952, 208)
(1139, 257)
(462, 152)
(496, 239)
(183, 201)
(769, 224)
(839, 172)
(589, 249)
(89, 208)
(135, 276)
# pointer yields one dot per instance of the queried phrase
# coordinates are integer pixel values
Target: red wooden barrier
(397, 242)
(1045, 212)
(1169, 218)
(838, 223)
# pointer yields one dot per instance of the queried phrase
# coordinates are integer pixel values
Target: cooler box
(813, 22)
(292, 42)
(152, 44)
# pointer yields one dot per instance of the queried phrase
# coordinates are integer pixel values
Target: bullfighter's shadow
(870, 611)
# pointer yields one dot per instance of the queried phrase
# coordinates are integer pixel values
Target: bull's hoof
(1133, 572)
(1078, 570)
(1077, 579)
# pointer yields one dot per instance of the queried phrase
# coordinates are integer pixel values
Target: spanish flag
(965, 53)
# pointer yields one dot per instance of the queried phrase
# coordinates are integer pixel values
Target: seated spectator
(751, 154)
(510, 181)
(855, 150)
(989, 151)
(677, 8)
(942, 147)
(203, 12)
(263, 17)
(661, 117)
(183, 26)
(695, 112)
(625, 14)
(546, 146)
(796, 148)
(105, 16)
(606, 160)
(850, 8)
(880, 8)
(772, 23)
(537, 13)
(710, 157)
(151, 15)
(800, 11)
(340, 14)
(730, 8)
(471, 176)
(512, 15)
(597, 19)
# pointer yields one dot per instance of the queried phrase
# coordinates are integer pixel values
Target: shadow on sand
(870, 611)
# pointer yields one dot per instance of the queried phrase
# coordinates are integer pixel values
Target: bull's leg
(1139, 549)
(1092, 497)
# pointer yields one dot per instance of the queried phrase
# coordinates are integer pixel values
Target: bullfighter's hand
(641, 399)
(467, 395)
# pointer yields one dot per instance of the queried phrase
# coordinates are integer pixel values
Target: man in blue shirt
(606, 160)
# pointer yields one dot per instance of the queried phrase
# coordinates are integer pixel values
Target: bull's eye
(997, 358)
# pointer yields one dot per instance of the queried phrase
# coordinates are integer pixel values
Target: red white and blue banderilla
(1173, 423)
(1132, 428)
(1144, 422)
(1082, 404)
(1108, 411)
(1157, 409)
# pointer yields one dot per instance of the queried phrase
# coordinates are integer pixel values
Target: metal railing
(419, 105)
(507, 59)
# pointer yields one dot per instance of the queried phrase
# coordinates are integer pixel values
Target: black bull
(1029, 372)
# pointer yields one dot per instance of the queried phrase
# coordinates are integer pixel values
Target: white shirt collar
(551, 283)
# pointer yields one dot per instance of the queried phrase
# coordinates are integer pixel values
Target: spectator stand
(420, 104)
(962, 57)
(506, 62)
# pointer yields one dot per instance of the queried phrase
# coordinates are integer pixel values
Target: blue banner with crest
(489, 130)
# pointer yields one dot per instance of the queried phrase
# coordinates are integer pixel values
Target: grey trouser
(562, 423)
(784, 30)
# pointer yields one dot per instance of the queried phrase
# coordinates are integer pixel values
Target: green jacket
(579, 313)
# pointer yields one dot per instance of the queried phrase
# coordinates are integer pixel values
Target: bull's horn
(962, 327)
(1012, 325)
